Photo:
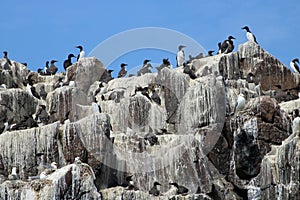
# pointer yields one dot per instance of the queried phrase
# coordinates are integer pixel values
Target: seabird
(42, 176)
(7, 60)
(144, 91)
(106, 76)
(52, 69)
(219, 47)
(3, 86)
(28, 122)
(210, 53)
(151, 138)
(296, 122)
(81, 53)
(6, 127)
(43, 93)
(294, 66)
(189, 71)
(40, 71)
(46, 68)
(42, 114)
(155, 97)
(68, 62)
(165, 63)
(145, 69)
(13, 175)
(32, 91)
(227, 46)
(180, 56)
(180, 189)
(128, 182)
(240, 103)
(250, 35)
(122, 73)
(154, 190)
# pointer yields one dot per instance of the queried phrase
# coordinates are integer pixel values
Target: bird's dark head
(231, 37)
(53, 61)
(129, 178)
(79, 47)
(166, 61)
(43, 107)
(219, 45)
(210, 52)
(123, 64)
(156, 183)
(295, 60)
(175, 184)
(181, 47)
(110, 71)
(246, 28)
(71, 56)
(146, 61)
(47, 63)
(5, 53)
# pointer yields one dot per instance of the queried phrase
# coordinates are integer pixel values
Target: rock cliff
(163, 127)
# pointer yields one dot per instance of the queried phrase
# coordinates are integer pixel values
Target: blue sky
(36, 31)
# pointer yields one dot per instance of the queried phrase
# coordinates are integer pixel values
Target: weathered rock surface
(201, 143)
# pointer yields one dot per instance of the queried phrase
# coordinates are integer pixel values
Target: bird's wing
(297, 67)
(224, 46)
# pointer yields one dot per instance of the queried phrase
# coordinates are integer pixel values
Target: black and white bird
(294, 65)
(81, 53)
(180, 189)
(13, 175)
(250, 36)
(106, 76)
(46, 68)
(42, 115)
(189, 71)
(7, 60)
(122, 73)
(68, 62)
(43, 93)
(219, 48)
(227, 46)
(155, 97)
(31, 90)
(180, 58)
(166, 63)
(52, 69)
(145, 69)
(154, 190)
(128, 183)
(151, 139)
(210, 53)
(240, 103)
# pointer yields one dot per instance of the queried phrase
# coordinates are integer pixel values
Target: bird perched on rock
(145, 69)
(28, 122)
(13, 175)
(180, 58)
(210, 53)
(52, 69)
(122, 73)
(68, 62)
(144, 91)
(42, 176)
(106, 76)
(129, 183)
(240, 103)
(7, 60)
(42, 114)
(32, 91)
(43, 93)
(294, 66)
(151, 139)
(155, 97)
(250, 36)
(81, 53)
(227, 46)
(296, 122)
(180, 189)
(189, 71)
(219, 48)
(154, 190)
(165, 63)
(46, 68)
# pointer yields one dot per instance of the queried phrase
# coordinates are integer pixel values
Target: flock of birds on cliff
(225, 47)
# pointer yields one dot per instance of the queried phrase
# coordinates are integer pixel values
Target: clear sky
(36, 31)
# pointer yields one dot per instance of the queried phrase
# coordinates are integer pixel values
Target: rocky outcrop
(163, 127)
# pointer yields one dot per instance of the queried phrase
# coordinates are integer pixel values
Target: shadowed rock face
(200, 143)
